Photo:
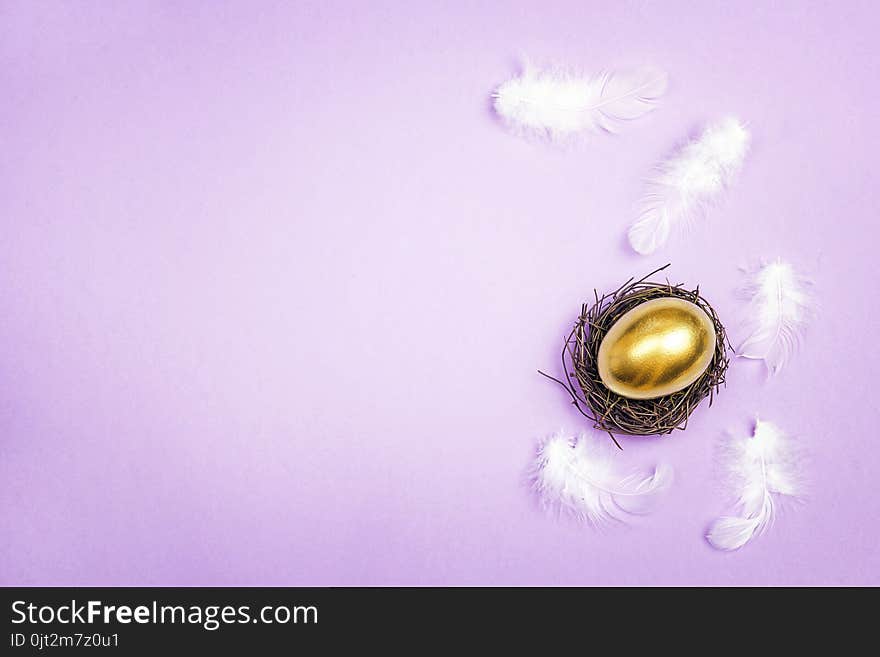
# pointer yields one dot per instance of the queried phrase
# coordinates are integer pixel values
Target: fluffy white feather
(579, 476)
(560, 104)
(780, 306)
(760, 467)
(687, 183)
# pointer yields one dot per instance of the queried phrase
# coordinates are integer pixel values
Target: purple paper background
(275, 287)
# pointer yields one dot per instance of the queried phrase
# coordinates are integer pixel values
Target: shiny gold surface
(657, 348)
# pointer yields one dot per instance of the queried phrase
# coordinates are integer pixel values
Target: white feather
(560, 104)
(780, 306)
(579, 476)
(760, 467)
(687, 183)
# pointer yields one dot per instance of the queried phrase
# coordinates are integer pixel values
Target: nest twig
(617, 414)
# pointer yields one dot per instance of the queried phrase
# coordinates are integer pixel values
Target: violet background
(275, 287)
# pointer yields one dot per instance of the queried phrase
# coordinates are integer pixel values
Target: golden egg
(657, 348)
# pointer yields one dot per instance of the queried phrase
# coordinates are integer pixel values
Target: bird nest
(612, 412)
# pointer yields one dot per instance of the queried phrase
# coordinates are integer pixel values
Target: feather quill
(760, 467)
(578, 476)
(780, 306)
(688, 183)
(559, 104)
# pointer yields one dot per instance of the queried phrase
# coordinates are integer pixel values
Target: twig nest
(641, 359)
